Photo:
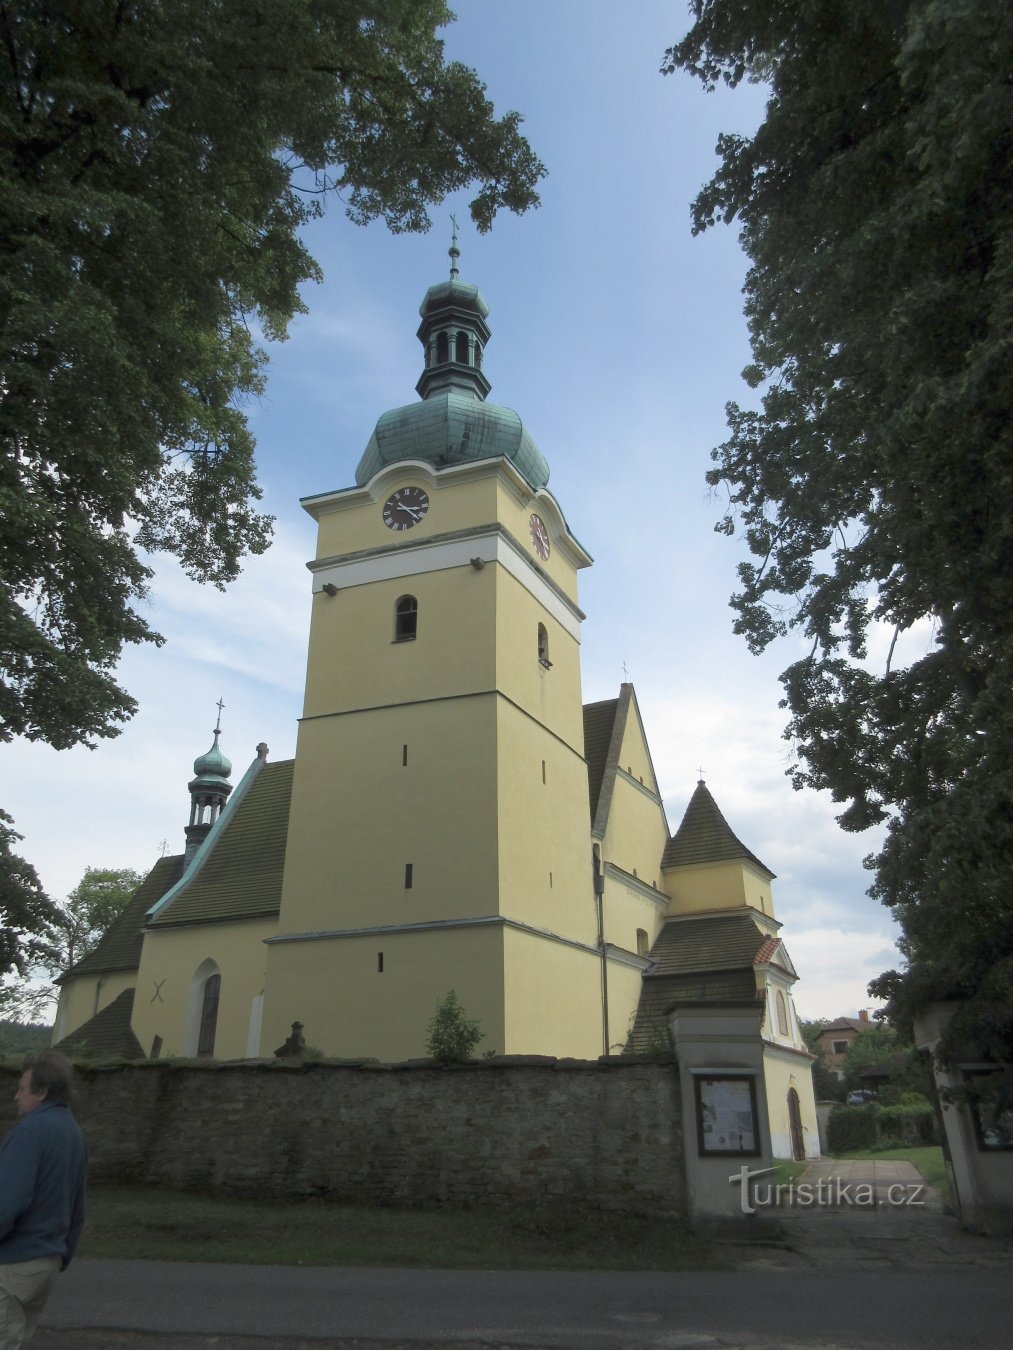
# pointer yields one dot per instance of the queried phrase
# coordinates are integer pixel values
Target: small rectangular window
(379, 963)
(156, 1048)
(407, 876)
(404, 754)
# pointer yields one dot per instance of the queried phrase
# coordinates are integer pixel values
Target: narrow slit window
(379, 963)
(406, 619)
(543, 645)
(408, 876)
(404, 755)
(543, 771)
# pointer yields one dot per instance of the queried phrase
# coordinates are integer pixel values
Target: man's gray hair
(52, 1073)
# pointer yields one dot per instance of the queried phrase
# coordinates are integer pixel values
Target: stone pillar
(720, 1054)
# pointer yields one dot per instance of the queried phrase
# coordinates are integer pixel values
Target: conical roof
(706, 837)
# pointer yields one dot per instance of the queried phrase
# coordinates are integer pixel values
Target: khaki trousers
(24, 1288)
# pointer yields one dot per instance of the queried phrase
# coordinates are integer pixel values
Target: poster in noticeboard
(726, 1116)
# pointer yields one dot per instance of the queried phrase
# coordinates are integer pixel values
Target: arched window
(209, 1017)
(543, 646)
(782, 1014)
(442, 348)
(461, 355)
(406, 618)
(642, 947)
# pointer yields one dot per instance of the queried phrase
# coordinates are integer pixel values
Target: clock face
(405, 508)
(539, 536)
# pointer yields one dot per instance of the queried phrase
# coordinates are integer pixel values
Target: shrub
(873, 1126)
(452, 1034)
(851, 1127)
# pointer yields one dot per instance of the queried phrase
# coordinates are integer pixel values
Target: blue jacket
(42, 1166)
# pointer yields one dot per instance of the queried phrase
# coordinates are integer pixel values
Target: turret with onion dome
(209, 790)
(453, 424)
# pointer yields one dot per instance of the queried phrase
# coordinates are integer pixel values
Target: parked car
(859, 1097)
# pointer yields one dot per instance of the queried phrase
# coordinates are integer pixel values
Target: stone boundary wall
(508, 1131)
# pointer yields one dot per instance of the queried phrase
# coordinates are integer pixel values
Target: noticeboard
(726, 1120)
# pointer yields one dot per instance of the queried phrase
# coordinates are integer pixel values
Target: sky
(619, 338)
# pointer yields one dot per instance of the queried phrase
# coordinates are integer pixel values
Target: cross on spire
(454, 251)
(218, 725)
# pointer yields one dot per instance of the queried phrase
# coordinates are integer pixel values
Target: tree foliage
(157, 161)
(83, 919)
(453, 1035)
(28, 915)
(74, 927)
(874, 486)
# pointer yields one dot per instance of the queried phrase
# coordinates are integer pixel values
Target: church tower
(439, 835)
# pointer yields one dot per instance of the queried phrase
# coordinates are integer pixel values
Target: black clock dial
(405, 508)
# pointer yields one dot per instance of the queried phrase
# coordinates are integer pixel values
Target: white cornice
(487, 543)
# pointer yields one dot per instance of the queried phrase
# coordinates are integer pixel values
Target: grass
(142, 1222)
(786, 1171)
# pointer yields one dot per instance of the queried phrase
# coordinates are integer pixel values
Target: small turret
(209, 790)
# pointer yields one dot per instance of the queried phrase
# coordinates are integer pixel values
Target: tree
(874, 487)
(452, 1034)
(826, 1085)
(27, 913)
(157, 160)
(76, 926)
(97, 900)
(876, 1045)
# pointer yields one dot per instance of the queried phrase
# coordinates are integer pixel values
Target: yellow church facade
(454, 817)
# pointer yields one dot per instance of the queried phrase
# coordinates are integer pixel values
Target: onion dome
(453, 424)
(212, 769)
(209, 790)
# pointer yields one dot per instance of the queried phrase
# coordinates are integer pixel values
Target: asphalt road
(175, 1306)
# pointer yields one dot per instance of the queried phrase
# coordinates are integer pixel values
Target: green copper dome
(452, 428)
(212, 769)
(452, 424)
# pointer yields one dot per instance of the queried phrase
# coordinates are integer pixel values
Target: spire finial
(218, 725)
(454, 251)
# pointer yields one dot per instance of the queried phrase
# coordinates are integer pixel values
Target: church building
(454, 817)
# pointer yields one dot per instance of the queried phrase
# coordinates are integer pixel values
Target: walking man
(42, 1167)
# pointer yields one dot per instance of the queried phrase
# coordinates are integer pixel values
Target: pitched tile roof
(705, 836)
(599, 726)
(705, 960)
(691, 945)
(107, 1035)
(241, 876)
(848, 1024)
(120, 947)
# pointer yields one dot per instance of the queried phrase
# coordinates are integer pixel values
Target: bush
(873, 1126)
(452, 1034)
(851, 1127)
(907, 1125)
